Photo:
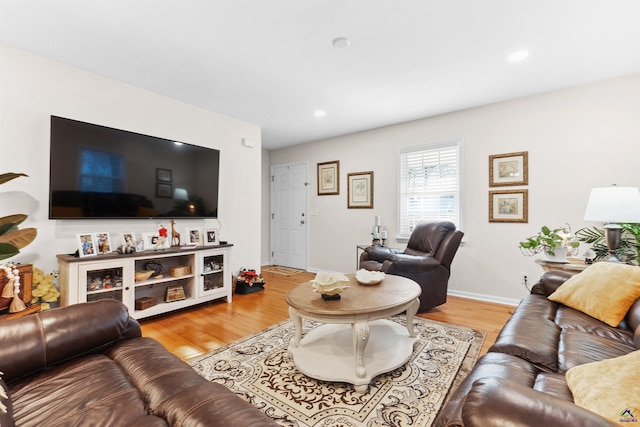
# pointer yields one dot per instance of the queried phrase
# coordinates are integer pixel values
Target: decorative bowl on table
(330, 284)
(366, 277)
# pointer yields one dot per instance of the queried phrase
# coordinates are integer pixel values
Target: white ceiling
(271, 62)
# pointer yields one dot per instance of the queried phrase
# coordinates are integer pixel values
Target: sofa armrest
(31, 343)
(549, 282)
(499, 402)
(376, 253)
(410, 263)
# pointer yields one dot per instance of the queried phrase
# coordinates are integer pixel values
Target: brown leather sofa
(426, 260)
(87, 365)
(521, 380)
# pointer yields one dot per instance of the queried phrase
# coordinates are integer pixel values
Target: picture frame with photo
(102, 243)
(163, 175)
(194, 236)
(150, 242)
(164, 190)
(129, 238)
(86, 245)
(509, 169)
(509, 206)
(211, 237)
(329, 178)
(360, 190)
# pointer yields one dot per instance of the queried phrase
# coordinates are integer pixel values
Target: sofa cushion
(605, 291)
(609, 387)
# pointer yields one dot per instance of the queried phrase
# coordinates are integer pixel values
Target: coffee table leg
(297, 323)
(360, 331)
(411, 312)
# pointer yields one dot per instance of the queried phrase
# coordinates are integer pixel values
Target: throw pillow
(610, 388)
(605, 291)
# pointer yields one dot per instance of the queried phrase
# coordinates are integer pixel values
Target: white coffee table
(356, 342)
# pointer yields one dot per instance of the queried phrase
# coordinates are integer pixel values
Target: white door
(289, 215)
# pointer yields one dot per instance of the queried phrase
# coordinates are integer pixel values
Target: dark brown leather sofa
(521, 380)
(87, 365)
(426, 260)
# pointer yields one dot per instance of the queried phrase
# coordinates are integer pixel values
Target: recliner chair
(426, 260)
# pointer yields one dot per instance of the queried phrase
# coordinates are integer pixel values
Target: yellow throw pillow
(605, 291)
(610, 388)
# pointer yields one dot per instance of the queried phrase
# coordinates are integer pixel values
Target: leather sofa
(87, 365)
(521, 381)
(426, 260)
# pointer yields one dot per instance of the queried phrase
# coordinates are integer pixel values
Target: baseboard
(484, 297)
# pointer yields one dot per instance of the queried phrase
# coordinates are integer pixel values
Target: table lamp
(613, 205)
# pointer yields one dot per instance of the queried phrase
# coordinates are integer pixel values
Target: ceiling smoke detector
(341, 43)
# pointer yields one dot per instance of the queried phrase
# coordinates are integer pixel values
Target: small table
(356, 343)
(573, 265)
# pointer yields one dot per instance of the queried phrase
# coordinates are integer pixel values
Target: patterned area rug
(259, 369)
(283, 271)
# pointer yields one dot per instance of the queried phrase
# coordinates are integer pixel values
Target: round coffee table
(356, 342)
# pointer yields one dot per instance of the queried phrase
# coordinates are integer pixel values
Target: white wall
(34, 88)
(578, 138)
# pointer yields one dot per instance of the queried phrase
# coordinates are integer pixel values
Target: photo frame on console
(102, 242)
(86, 245)
(509, 206)
(194, 236)
(360, 190)
(329, 178)
(509, 169)
(211, 237)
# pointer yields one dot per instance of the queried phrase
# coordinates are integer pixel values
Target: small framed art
(153, 241)
(508, 206)
(194, 236)
(129, 238)
(360, 190)
(163, 175)
(211, 237)
(86, 245)
(164, 190)
(329, 178)
(102, 242)
(509, 169)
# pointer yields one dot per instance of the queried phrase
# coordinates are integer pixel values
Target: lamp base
(613, 233)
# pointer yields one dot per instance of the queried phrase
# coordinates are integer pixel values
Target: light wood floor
(193, 332)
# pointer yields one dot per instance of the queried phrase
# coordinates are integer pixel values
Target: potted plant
(628, 250)
(555, 243)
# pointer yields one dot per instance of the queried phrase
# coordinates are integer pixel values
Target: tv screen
(101, 172)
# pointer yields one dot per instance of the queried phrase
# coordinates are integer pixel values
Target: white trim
(484, 297)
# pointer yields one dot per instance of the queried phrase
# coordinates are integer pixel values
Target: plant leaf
(13, 219)
(19, 238)
(6, 177)
(7, 250)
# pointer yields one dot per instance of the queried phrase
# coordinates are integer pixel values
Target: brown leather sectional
(88, 365)
(521, 380)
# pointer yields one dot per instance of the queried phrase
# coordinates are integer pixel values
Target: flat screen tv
(101, 172)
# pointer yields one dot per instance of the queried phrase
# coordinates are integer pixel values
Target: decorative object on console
(194, 236)
(11, 238)
(86, 245)
(211, 237)
(12, 288)
(145, 302)
(44, 290)
(378, 233)
(509, 169)
(366, 277)
(175, 236)
(180, 271)
(555, 244)
(329, 178)
(103, 243)
(613, 205)
(360, 190)
(174, 293)
(330, 284)
(509, 206)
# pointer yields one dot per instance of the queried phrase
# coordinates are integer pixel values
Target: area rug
(260, 369)
(283, 271)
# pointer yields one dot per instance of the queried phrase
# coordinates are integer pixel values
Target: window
(101, 171)
(429, 185)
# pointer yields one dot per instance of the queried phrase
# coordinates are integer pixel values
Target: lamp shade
(180, 194)
(613, 204)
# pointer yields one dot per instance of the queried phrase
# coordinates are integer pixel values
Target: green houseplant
(555, 242)
(13, 239)
(628, 249)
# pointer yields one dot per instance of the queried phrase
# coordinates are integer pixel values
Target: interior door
(289, 215)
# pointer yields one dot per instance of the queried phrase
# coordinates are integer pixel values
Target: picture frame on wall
(329, 178)
(86, 245)
(102, 242)
(163, 175)
(509, 169)
(509, 206)
(164, 190)
(211, 237)
(360, 190)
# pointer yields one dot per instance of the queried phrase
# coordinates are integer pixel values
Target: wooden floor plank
(195, 331)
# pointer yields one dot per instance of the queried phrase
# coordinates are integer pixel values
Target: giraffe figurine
(175, 236)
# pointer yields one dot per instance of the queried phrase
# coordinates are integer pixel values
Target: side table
(573, 265)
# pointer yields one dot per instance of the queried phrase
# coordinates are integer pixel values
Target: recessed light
(341, 43)
(319, 113)
(518, 55)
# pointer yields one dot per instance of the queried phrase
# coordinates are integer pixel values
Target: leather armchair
(426, 260)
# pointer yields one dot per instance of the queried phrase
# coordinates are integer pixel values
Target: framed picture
(152, 241)
(163, 175)
(129, 238)
(329, 178)
(164, 190)
(102, 242)
(509, 206)
(86, 245)
(194, 236)
(509, 169)
(360, 190)
(211, 237)
(174, 293)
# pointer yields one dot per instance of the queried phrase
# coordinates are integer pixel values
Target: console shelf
(197, 274)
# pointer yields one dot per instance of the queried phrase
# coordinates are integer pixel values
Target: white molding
(484, 297)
